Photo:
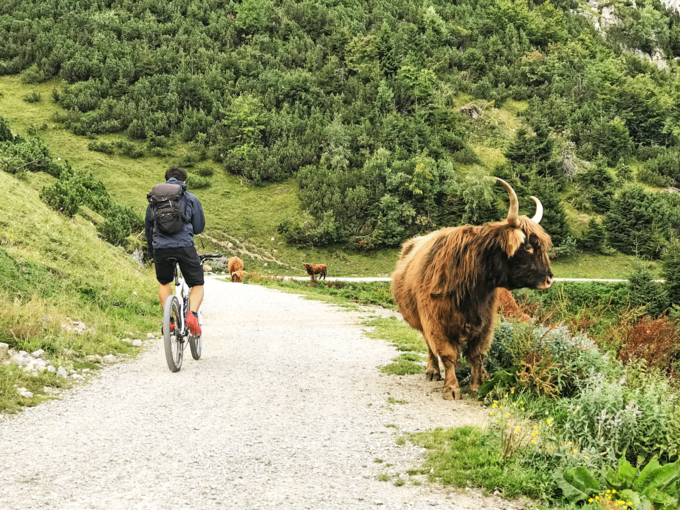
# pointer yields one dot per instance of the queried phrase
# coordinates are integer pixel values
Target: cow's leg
(433, 373)
(450, 355)
(477, 348)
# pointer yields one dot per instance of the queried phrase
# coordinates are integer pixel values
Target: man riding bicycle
(173, 217)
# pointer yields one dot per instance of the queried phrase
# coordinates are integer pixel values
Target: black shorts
(189, 263)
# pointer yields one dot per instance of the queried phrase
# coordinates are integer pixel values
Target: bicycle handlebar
(211, 256)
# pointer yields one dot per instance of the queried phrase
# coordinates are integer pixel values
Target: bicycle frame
(182, 292)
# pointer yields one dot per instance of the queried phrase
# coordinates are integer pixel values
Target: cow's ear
(513, 239)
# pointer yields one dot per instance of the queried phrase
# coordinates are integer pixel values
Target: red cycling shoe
(192, 322)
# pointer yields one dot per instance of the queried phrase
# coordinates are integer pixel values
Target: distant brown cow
(446, 285)
(314, 269)
(506, 302)
(235, 268)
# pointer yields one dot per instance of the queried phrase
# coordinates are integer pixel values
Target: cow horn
(513, 210)
(539, 210)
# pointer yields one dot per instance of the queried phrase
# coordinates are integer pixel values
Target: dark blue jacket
(195, 223)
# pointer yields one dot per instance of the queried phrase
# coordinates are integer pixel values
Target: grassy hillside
(54, 269)
(251, 214)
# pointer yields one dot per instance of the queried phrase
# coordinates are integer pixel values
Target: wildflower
(608, 491)
(516, 429)
(533, 441)
(629, 503)
(507, 415)
(494, 406)
(613, 490)
(586, 457)
(512, 390)
(501, 407)
(496, 420)
(548, 421)
(491, 413)
(521, 401)
(508, 424)
(569, 443)
(522, 409)
(590, 500)
(506, 395)
(536, 426)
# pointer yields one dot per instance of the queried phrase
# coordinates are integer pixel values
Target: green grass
(467, 457)
(53, 268)
(237, 211)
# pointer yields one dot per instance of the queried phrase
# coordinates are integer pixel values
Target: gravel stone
(77, 377)
(110, 358)
(4, 350)
(38, 354)
(61, 372)
(137, 343)
(286, 409)
(50, 368)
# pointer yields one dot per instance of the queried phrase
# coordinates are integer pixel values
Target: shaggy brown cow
(506, 302)
(314, 269)
(446, 285)
(234, 266)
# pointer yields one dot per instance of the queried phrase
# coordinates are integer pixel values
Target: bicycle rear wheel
(174, 350)
(196, 344)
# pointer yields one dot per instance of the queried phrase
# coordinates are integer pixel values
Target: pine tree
(5, 132)
(671, 272)
(645, 292)
(387, 52)
(593, 237)
(598, 184)
(554, 220)
(536, 152)
(623, 171)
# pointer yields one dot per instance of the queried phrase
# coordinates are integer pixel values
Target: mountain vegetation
(360, 101)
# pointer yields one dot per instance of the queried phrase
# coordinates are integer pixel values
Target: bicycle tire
(174, 351)
(196, 344)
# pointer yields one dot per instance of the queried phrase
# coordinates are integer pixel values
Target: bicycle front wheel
(174, 351)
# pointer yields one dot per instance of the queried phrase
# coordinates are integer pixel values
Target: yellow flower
(501, 407)
(533, 441)
(608, 491)
(521, 401)
(494, 406)
(597, 498)
(491, 413)
(548, 421)
(508, 424)
(507, 415)
(522, 409)
(512, 391)
(586, 457)
(614, 490)
(629, 503)
(506, 395)
(535, 427)
(517, 429)
(569, 443)
(496, 420)
(591, 500)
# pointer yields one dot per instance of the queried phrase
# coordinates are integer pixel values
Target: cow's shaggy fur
(235, 268)
(446, 286)
(510, 308)
(314, 269)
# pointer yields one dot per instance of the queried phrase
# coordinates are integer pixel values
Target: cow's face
(529, 266)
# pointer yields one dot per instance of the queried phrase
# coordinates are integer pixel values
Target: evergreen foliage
(645, 292)
(671, 273)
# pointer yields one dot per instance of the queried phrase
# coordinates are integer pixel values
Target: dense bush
(197, 182)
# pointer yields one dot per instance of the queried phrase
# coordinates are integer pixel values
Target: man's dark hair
(178, 173)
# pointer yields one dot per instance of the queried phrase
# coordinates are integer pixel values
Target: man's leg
(195, 298)
(164, 291)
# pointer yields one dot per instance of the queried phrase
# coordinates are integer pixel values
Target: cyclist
(173, 217)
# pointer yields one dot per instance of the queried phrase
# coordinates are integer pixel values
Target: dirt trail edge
(285, 410)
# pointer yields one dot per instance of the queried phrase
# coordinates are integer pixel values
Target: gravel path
(286, 409)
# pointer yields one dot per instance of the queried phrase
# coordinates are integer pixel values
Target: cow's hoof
(433, 376)
(449, 394)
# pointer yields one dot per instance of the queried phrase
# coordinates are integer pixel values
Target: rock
(126, 340)
(94, 358)
(71, 371)
(38, 354)
(23, 392)
(61, 372)
(70, 353)
(230, 245)
(4, 350)
(36, 366)
(77, 377)
(150, 336)
(136, 343)
(110, 358)
(20, 361)
(378, 502)
(76, 327)
(50, 368)
(23, 353)
(472, 110)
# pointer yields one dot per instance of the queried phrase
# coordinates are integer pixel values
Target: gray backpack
(167, 208)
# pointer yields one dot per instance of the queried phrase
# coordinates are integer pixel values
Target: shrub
(645, 292)
(33, 97)
(197, 182)
(5, 131)
(466, 156)
(671, 272)
(205, 171)
(131, 150)
(106, 148)
(593, 239)
(656, 341)
(116, 228)
(33, 75)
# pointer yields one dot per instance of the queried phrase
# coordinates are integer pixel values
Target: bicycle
(176, 308)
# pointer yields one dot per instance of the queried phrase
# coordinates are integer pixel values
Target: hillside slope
(54, 271)
(251, 214)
